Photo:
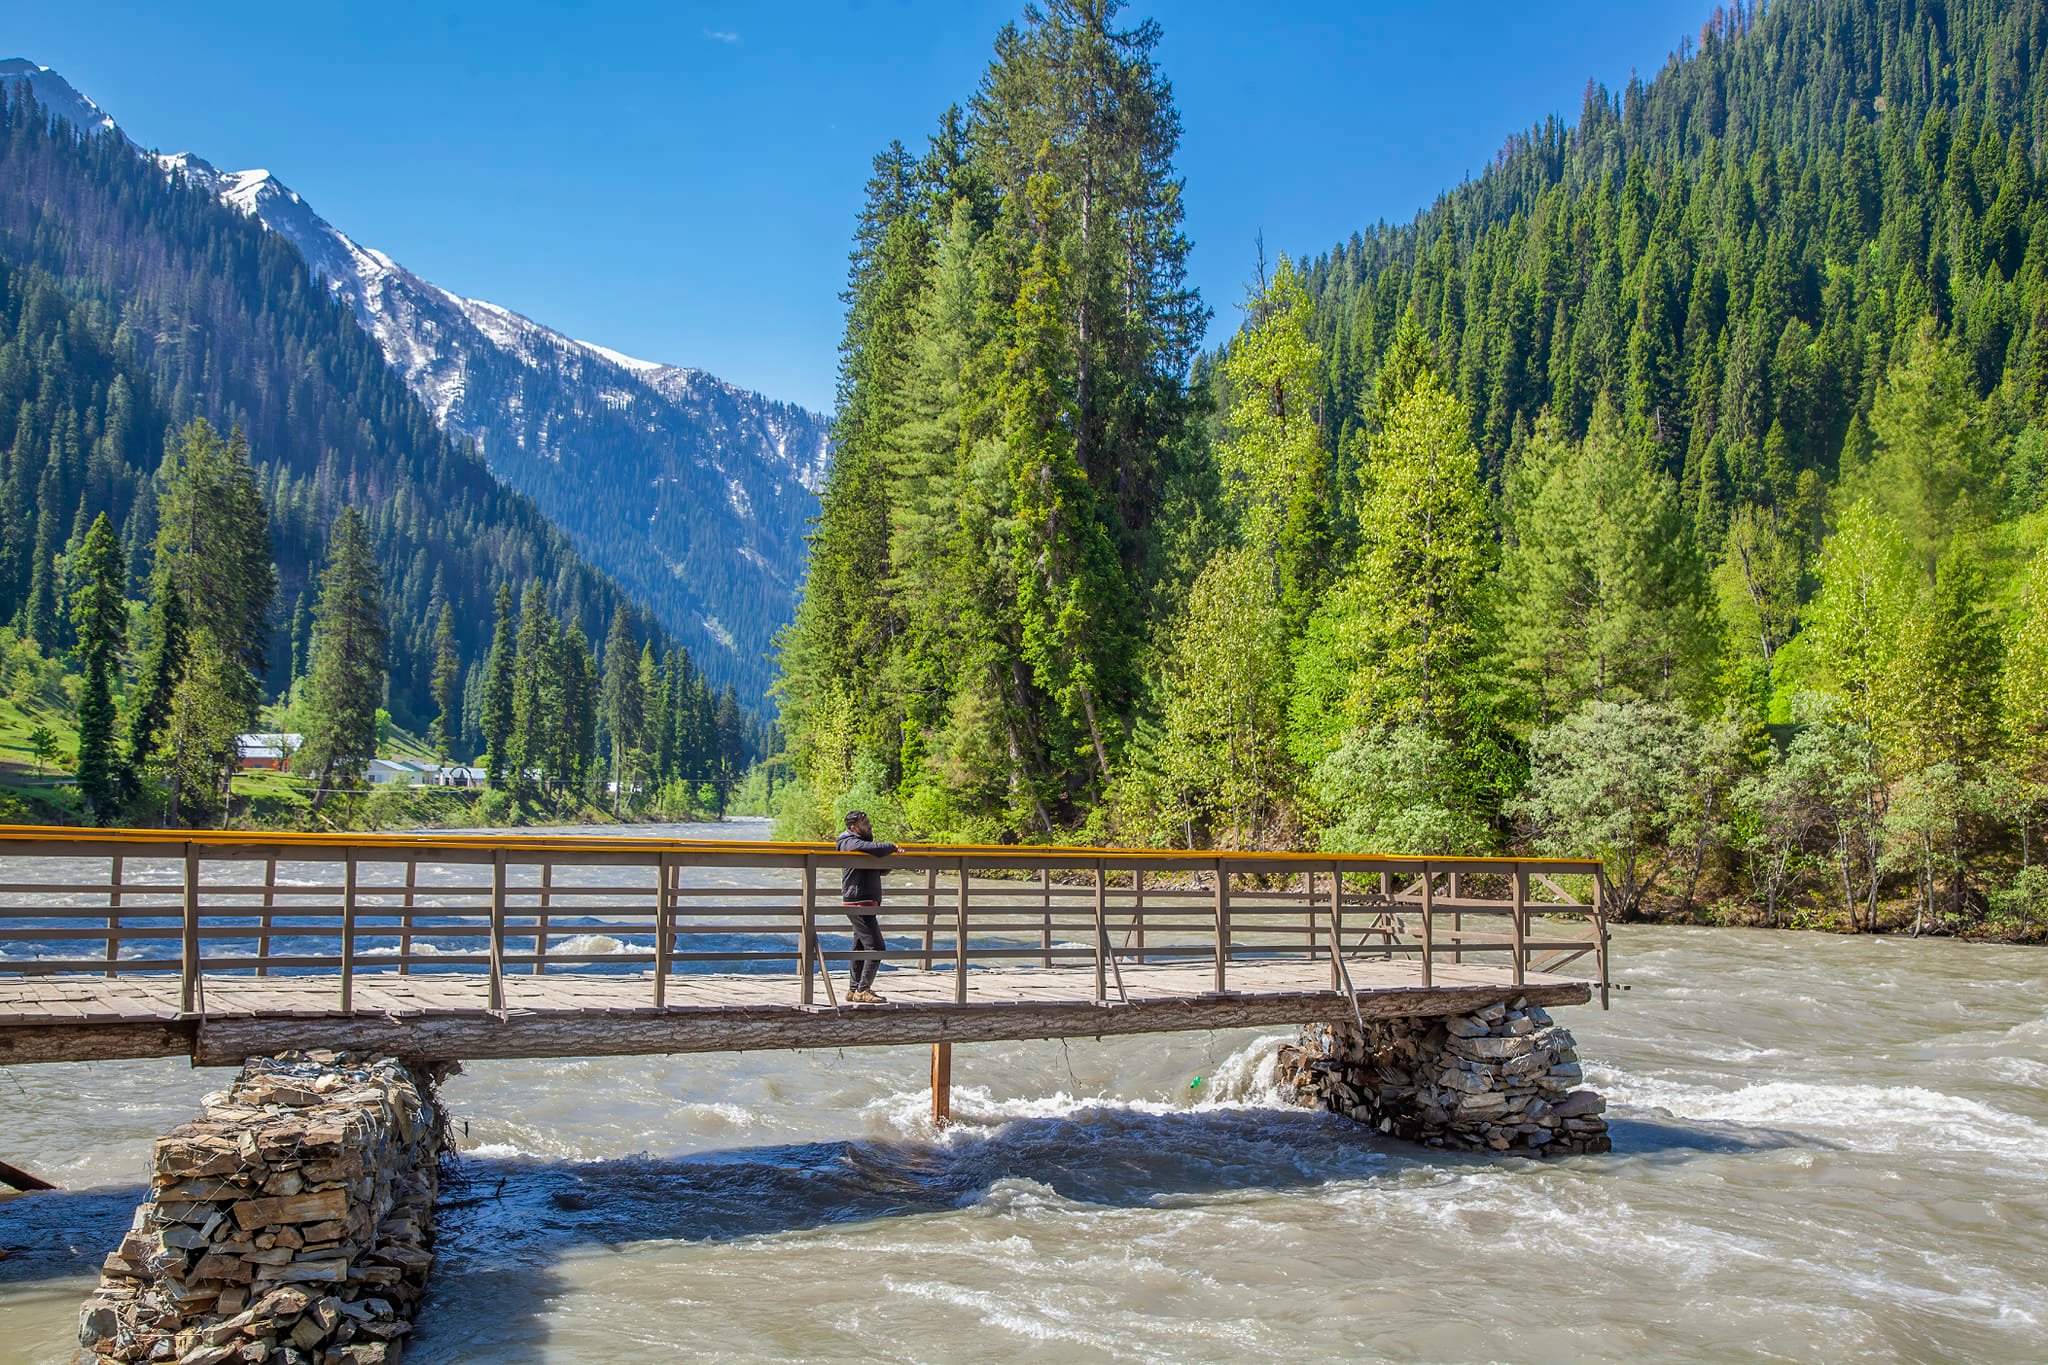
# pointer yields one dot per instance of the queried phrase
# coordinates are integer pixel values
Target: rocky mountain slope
(694, 494)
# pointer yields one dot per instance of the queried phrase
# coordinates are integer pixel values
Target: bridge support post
(942, 1084)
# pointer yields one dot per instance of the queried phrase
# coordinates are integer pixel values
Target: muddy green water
(1825, 1148)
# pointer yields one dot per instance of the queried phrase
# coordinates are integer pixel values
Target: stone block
(312, 1207)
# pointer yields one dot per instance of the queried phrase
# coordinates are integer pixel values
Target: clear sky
(678, 181)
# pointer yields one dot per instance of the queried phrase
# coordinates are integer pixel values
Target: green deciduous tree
(1618, 781)
(1398, 790)
(2023, 700)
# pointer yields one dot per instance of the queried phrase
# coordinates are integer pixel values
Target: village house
(267, 750)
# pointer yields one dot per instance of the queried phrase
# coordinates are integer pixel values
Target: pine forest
(1675, 491)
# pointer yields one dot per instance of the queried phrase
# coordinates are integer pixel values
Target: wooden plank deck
(447, 1015)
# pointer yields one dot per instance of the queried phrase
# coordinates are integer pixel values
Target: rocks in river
(289, 1224)
(1500, 1079)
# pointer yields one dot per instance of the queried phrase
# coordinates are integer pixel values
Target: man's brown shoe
(865, 998)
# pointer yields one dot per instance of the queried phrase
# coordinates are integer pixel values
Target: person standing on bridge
(860, 892)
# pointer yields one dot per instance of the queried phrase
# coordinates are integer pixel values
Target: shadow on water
(530, 1210)
(505, 1222)
(1655, 1133)
(61, 1234)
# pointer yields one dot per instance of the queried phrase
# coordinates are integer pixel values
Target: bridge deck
(221, 946)
(447, 1015)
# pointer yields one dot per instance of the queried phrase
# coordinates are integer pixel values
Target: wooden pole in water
(22, 1180)
(942, 1083)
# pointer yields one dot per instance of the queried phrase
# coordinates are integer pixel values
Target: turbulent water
(1824, 1148)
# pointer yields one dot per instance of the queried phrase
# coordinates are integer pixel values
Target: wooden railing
(116, 903)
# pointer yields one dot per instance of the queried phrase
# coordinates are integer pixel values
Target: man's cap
(854, 817)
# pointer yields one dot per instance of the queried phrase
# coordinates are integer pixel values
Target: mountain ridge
(694, 493)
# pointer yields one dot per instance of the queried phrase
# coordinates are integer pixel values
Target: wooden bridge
(450, 947)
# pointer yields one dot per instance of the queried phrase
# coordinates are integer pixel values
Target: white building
(399, 772)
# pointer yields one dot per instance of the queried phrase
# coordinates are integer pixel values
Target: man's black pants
(867, 938)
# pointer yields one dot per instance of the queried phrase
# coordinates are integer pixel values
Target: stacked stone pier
(1500, 1079)
(289, 1225)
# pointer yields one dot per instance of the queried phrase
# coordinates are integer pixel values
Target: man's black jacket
(861, 885)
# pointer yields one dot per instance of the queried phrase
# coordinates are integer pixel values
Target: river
(1824, 1148)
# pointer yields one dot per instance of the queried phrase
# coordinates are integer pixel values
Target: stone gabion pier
(1499, 1080)
(290, 1224)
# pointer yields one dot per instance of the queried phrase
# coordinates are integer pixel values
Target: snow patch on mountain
(727, 480)
(57, 96)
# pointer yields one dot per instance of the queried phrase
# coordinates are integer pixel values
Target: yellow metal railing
(205, 903)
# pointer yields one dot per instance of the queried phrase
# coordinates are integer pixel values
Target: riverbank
(1093, 1201)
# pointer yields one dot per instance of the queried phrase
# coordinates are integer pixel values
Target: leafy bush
(494, 807)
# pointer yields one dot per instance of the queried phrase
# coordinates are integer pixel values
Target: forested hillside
(1672, 491)
(691, 493)
(190, 428)
(136, 302)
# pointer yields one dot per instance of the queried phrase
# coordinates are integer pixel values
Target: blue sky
(678, 181)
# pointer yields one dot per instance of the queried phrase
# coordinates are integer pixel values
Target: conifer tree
(574, 749)
(41, 609)
(1273, 456)
(212, 553)
(499, 687)
(447, 681)
(624, 703)
(99, 615)
(1604, 594)
(346, 684)
(2023, 699)
(1400, 639)
(538, 717)
(1223, 757)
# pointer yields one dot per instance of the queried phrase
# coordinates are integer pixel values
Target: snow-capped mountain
(691, 492)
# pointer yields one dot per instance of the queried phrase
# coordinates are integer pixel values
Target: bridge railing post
(114, 915)
(496, 990)
(1336, 926)
(1600, 927)
(1137, 915)
(662, 944)
(1519, 920)
(1428, 920)
(1045, 917)
(807, 913)
(1457, 920)
(1222, 926)
(1101, 934)
(268, 922)
(931, 914)
(960, 940)
(540, 932)
(348, 929)
(188, 950)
